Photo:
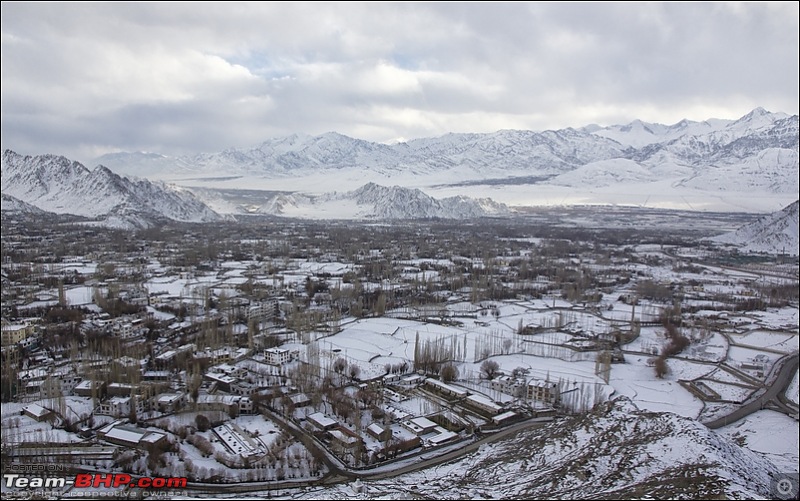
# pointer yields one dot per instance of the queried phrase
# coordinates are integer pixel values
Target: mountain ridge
(618, 141)
(749, 164)
(56, 184)
(775, 233)
(755, 155)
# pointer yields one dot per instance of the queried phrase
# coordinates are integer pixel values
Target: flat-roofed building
(322, 421)
(277, 356)
(483, 404)
(15, 333)
(171, 402)
(379, 432)
(418, 425)
(130, 436)
(120, 406)
(540, 390)
(88, 388)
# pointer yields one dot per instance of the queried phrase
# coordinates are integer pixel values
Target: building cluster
(193, 321)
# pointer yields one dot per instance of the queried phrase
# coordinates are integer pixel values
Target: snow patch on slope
(776, 233)
(13, 204)
(605, 173)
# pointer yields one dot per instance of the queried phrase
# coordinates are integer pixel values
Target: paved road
(786, 368)
(452, 455)
(338, 474)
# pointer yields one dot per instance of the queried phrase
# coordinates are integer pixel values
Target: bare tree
(340, 365)
(202, 422)
(449, 373)
(661, 367)
(490, 369)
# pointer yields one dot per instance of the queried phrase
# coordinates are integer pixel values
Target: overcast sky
(85, 79)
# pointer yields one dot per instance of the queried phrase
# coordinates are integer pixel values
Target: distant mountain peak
(759, 116)
(758, 111)
(396, 202)
(56, 184)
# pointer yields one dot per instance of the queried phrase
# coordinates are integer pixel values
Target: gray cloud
(84, 79)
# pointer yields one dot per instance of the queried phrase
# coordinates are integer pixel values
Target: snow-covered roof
(152, 437)
(502, 417)
(441, 437)
(36, 410)
(321, 420)
(124, 435)
(343, 437)
(446, 387)
(423, 422)
(168, 398)
(484, 402)
(375, 429)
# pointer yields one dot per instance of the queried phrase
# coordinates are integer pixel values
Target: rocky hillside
(56, 184)
(614, 452)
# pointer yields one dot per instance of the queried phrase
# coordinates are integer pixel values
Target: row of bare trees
(676, 341)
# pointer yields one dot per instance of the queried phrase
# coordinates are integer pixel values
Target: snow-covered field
(770, 433)
(637, 381)
(780, 341)
(785, 318)
(730, 392)
(78, 295)
(740, 354)
(18, 428)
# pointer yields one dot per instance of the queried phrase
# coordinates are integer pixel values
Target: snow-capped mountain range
(775, 233)
(56, 184)
(749, 164)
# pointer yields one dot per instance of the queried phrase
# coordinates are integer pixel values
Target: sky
(85, 79)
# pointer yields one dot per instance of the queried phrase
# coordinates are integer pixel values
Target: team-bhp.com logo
(92, 480)
(785, 486)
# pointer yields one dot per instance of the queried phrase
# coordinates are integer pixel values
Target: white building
(263, 311)
(418, 425)
(120, 406)
(508, 385)
(542, 391)
(277, 356)
(483, 404)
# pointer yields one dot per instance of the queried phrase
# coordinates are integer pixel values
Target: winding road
(785, 368)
